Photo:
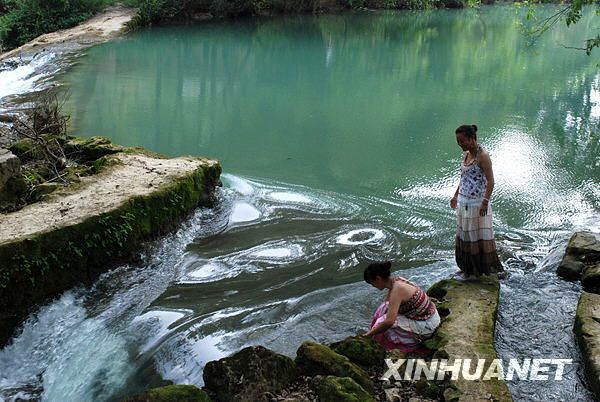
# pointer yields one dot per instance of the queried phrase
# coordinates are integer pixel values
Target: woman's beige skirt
(476, 252)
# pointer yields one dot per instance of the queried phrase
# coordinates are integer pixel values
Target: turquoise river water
(336, 136)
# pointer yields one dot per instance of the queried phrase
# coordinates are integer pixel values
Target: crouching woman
(407, 316)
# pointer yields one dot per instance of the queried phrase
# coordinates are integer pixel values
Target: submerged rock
(315, 359)
(172, 393)
(336, 389)
(249, 374)
(467, 332)
(360, 350)
(587, 331)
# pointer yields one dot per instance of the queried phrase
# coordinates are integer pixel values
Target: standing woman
(475, 245)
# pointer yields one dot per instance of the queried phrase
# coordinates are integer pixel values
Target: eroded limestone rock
(336, 389)
(360, 350)
(249, 374)
(467, 332)
(172, 393)
(587, 331)
(316, 359)
(582, 251)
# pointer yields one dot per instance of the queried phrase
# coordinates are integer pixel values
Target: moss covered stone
(336, 389)
(315, 359)
(467, 332)
(80, 231)
(587, 331)
(90, 149)
(172, 393)
(360, 350)
(249, 374)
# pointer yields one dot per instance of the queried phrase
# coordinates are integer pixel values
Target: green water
(336, 136)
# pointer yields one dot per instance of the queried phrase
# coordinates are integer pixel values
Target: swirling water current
(336, 138)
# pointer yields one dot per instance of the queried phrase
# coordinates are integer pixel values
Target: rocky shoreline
(582, 262)
(352, 369)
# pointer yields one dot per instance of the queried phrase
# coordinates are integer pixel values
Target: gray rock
(591, 278)
(10, 166)
(570, 268)
(586, 246)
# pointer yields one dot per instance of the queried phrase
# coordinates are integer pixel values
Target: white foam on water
(244, 212)
(237, 184)
(156, 322)
(360, 236)
(286, 196)
(23, 78)
(75, 357)
(210, 272)
(182, 360)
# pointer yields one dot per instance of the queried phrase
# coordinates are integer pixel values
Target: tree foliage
(23, 20)
(569, 13)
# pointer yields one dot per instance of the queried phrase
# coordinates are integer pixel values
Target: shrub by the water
(23, 20)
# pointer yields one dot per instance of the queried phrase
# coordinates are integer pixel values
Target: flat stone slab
(136, 175)
(469, 312)
(587, 331)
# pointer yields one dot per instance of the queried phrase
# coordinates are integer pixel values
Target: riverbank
(83, 229)
(28, 69)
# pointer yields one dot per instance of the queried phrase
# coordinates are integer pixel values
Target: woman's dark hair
(468, 130)
(381, 269)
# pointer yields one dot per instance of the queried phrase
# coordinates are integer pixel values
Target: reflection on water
(358, 111)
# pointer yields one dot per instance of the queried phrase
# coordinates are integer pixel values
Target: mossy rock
(13, 194)
(315, 359)
(90, 227)
(360, 350)
(427, 389)
(249, 374)
(467, 332)
(172, 393)
(337, 389)
(587, 332)
(90, 149)
(25, 149)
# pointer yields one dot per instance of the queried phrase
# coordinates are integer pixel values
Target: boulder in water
(360, 350)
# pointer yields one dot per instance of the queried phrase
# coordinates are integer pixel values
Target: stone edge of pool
(352, 368)
(581, 261)
(76, 233)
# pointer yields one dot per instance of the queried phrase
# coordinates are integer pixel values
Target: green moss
(172, 393)
(44, 265)
(335, 389)
(90, 149)
(314, 359)
(360, 350)
(427, 389)
(24, 149)
(587, 332)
